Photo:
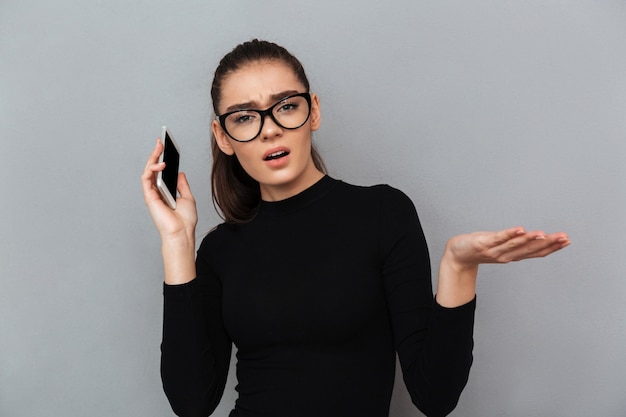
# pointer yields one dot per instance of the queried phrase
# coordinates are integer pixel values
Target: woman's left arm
(464, 253)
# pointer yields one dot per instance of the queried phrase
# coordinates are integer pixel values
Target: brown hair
(236, 195)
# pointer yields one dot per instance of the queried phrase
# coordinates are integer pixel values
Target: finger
(545, 251)
(183, 187)
(148, 182)
(519, 244)
(152, 165)
(540, 246)
(156, 153)
(559, 236)
(150, 192)
(150, 170)
(506, 235)
(148, 177)
(527, 237)
(510, 239)
(551, 244)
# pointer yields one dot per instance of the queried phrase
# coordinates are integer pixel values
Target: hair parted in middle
(236, 195)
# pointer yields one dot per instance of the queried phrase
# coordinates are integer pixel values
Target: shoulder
(383, 194)
(213, 241)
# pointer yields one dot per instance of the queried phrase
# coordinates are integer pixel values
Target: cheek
(246, 159)
(247, 166)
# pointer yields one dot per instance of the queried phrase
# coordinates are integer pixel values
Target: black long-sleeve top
(317, 293)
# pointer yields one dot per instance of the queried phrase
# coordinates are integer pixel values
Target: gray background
(489, 114)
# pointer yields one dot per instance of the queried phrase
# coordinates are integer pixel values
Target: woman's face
(290, 169)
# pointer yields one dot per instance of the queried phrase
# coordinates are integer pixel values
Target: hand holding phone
(177, 227)
(167, 179)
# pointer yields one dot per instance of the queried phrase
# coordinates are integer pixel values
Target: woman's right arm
(176, 227)
(195, 352)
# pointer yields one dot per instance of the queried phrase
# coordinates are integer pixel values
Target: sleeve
(195, 351)
(434, 343)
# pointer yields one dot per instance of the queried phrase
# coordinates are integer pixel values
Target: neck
(278, 192)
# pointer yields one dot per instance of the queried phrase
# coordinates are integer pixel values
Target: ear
(316, 115)
(222, 138)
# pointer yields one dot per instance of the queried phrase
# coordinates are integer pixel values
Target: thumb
(183, 187)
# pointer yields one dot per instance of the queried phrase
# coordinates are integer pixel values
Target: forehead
(257, 83)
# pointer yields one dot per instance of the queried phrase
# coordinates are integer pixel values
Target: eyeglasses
(289, 113)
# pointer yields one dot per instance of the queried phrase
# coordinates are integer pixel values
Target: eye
(287, 106)
(242, 117)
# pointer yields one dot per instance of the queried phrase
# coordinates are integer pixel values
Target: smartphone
(167, 180)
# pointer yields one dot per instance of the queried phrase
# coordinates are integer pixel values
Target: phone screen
(171, 159)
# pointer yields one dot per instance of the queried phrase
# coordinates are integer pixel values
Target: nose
(270, 128)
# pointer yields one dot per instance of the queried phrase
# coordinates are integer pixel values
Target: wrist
(182, 240)
(451, 262)
(179, 263)
(457, 281)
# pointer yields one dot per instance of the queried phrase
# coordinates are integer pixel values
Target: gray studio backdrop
(489, 114)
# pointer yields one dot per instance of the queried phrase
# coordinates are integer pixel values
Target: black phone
(167, 180)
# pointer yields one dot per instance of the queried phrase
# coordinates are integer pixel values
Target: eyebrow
(253, 105)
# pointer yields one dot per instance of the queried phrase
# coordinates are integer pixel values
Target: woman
(317, 282)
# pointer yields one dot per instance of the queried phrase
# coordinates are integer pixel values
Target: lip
(277, 163)
(274, 150)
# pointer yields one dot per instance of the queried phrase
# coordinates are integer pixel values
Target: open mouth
(276, 155)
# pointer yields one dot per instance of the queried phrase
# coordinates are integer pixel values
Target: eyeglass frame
(264, 113)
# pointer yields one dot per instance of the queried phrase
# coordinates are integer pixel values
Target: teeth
(276, 155)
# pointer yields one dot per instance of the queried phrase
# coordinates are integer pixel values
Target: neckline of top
(302, 199)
